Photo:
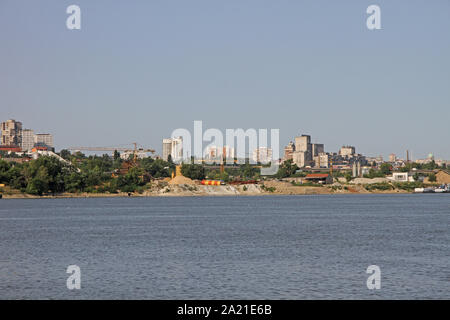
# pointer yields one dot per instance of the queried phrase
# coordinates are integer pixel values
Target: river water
(265, 247)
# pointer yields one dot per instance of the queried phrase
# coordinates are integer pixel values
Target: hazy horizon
(137, 71)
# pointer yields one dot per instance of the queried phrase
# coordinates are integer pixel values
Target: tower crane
(135, 150)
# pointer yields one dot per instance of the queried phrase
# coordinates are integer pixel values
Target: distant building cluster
(15, 138)
(262, 155)
(397, 162)
(312, 155)
(430, 158)
(213, 152)
(302, 151)
(306, 154)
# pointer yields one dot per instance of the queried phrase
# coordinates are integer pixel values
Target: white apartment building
(174, 148)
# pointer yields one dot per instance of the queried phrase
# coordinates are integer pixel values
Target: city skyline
(156, 67)
(206, 148)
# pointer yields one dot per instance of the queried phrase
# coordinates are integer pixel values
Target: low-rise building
(323, 178)
(401, 177)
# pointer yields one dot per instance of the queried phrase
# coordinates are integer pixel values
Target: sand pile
(181, 180)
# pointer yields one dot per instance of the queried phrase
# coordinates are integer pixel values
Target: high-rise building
(166, 149)
(392, 157)
(302, 156)
(44, 140)
(11, 133)
(262, 155)
(322, 160)
(212, 152)
(303, 143)
(177, 149)
(174, 148)
(347, 151)
(215, 152)
(317, 148)
(289, 151)
(27, 139)
(229, 152)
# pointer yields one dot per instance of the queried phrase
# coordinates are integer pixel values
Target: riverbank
(268, 188)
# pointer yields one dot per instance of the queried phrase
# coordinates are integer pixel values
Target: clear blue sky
(139, 69)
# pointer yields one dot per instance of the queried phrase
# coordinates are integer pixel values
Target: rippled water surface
(269, 247)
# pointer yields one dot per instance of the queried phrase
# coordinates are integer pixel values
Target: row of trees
(197, 171)
(84, 174)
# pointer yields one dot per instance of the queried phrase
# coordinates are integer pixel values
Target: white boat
(418, 190)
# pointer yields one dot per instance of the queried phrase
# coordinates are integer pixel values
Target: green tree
(249, 172)
(157, 168)
(432, 177)
(385, 168)
(116, 155)
(374, 174)
(4, 169)
(40, 183)
(224, 176)
(132, 180)
(65, 154)
(193, 171)
(54, 172)
(79, 155)
(287, 169)
(74, 182)
(18, 177)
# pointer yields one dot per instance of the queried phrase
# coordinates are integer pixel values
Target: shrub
(432, 177)
(379, 186)
(269, 189)
(409, 186)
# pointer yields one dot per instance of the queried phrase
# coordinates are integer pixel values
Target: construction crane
(224, 160)
(135, 150)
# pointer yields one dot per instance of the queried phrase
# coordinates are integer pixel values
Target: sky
(137, 70)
